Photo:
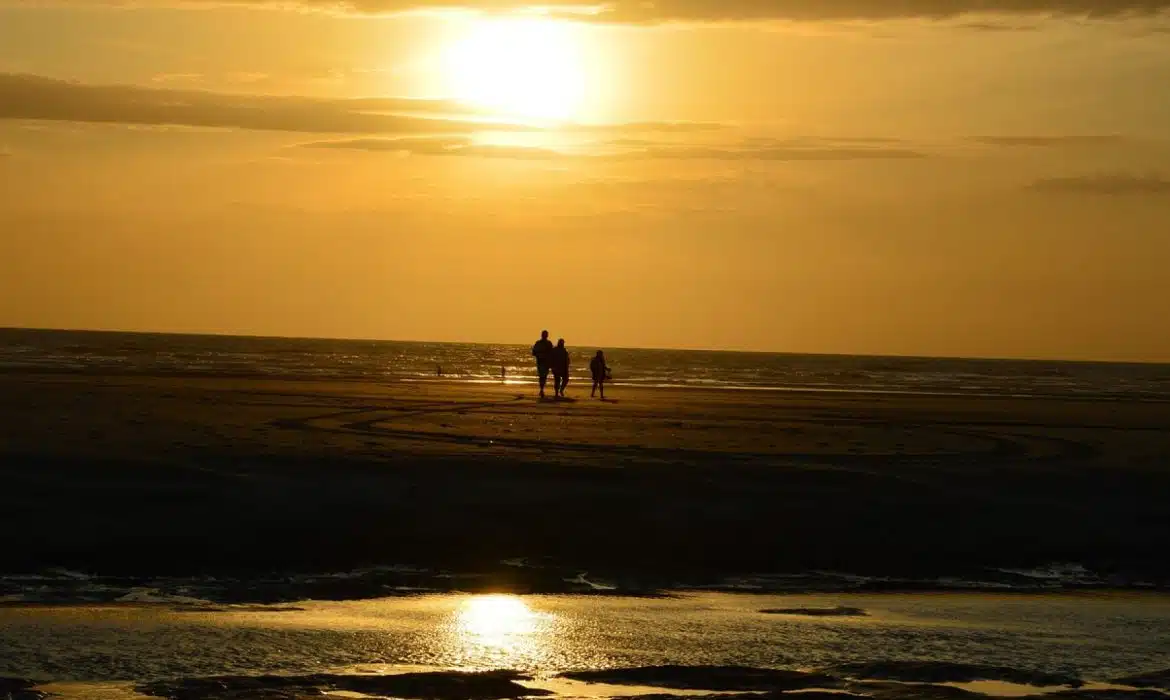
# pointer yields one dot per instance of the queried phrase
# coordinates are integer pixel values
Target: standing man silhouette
(560, 368)
(542, 351)
(600, 372)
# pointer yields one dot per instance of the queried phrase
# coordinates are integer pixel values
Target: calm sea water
(385, 361)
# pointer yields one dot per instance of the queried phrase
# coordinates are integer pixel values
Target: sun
(518, 67)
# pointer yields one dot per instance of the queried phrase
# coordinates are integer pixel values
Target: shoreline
(279, 590)
(577, 380)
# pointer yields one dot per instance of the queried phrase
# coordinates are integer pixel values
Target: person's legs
(564, 384)
(594, 392)
(601, 385)
(543, 372)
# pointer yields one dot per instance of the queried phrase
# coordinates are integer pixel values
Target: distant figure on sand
(600, 372)
(542, 351)
(560, 367)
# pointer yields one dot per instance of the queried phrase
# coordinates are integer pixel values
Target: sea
(401, 361)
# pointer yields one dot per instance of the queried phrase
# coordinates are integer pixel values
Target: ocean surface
(391, 361)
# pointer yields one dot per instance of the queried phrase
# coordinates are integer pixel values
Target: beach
(139, 475)
(199, 536)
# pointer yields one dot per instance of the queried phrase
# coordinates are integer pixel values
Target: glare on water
(498, 621)
(499, 630)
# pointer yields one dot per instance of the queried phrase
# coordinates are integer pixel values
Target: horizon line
(985, 358)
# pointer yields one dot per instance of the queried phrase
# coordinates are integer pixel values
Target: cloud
(247, 77)
(645, 127)
(1050, 141)
(1111, 185)
(998, 27)
(36, 98)
(867, 142)
(31, 97)
(680, 187)
(626, 150)
(641, 11)
(439, 146)
(436, 145)
(866, 139)
(491, 150)
(630, 143)
(163, 78)
(772, 153)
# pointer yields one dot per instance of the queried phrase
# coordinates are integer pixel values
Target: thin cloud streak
(440, 146)
(773, 153)
(998, 27)
(666, 127)
(1051, 141)
(37, 98)
(1107, 185)
(745, 152)
(30, 97)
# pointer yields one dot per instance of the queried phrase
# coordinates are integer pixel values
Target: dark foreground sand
(177, 475)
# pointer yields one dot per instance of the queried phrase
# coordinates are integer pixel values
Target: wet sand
(145, 475)
(587, 647)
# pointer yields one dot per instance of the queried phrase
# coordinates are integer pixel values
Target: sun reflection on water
(500, 630)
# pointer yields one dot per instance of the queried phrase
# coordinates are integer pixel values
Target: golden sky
(926, 177)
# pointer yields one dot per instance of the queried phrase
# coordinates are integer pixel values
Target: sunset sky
(926, 177)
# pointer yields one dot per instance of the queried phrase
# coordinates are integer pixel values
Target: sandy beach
(173, 475)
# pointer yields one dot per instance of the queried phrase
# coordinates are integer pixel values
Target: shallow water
(1095, 636)
(366, 360)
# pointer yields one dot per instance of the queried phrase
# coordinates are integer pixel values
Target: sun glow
(494, 620)
(501, 631)
(527, 68)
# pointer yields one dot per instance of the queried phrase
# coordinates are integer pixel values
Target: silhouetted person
(542, 351)
(600, 372)
(560, 367)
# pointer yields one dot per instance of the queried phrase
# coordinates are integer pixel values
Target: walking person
(542, 351)
(560, 367)
(600, 372)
